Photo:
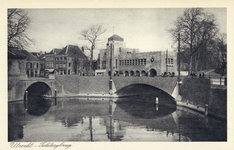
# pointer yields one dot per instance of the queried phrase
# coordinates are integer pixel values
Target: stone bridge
(17, 91)
(166, 84)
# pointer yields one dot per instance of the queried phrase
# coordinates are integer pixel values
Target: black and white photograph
(116, 74)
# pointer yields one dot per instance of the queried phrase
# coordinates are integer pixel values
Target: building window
(127, 62)
(64, 58)
(133, 62)
(61, 58)
(57, 65)
(120, 62)
(138, 62)
(144, 62)
(171, 60)
(69, 65)
(64, 65)
(141, 62)
(61, 65)
(128, 52)
(69, 72)
(130, 63)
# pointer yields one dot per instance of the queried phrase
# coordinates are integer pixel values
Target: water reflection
(97, 120)
(145, 106)
(37, 105)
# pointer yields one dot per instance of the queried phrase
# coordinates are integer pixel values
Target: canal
(133, 118)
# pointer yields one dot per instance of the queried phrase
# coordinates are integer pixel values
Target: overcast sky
(145, 29)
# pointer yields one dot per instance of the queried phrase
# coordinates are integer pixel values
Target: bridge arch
(39, 89)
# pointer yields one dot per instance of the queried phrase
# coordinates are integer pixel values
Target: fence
(218, 80)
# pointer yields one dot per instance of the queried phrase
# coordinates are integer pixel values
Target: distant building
(130, 62)
(41, 56)
(71, 60)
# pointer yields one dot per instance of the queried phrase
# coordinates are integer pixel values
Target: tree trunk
(190, 64)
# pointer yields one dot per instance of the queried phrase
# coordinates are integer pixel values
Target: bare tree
(196, 29)
(91, 34)
(221, 45)
(18, 23)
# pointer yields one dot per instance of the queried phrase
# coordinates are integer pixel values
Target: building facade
(32, 64)
(71, 60)
(118, 60)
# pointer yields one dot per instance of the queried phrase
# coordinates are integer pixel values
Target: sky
(142, 28)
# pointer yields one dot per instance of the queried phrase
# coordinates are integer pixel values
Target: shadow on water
(144, 106)
(37, 105)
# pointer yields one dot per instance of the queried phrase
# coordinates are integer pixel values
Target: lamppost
(110, 72)
(179, 82)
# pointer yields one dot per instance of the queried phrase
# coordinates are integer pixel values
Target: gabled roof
(55, 51)
(14, 53)
(115, 37)
(72, 51)
(29, 56)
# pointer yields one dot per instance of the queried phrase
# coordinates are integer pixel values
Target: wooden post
(55, 95)
(206, 110)
(26, 100)
(156, 100)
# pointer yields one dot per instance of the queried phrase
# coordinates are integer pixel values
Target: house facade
(70, 61)
(32, 64)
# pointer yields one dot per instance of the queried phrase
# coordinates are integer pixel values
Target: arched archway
(152, 72)
(131, 73)
(36, 103)
(143, 73)
(39, 89)
(137, 73)
(126, 73)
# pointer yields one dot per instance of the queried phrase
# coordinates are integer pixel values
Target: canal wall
(197, 92)
(74, 84)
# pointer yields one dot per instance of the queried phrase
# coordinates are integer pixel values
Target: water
(128, 119)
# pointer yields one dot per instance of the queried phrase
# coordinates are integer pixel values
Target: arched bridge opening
(145, 101)
(36, 100)
(39, 89)
(144, 90)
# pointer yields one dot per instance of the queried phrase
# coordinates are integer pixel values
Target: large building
(118, 60)
(71, 60)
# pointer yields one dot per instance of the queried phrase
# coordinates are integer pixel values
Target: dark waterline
(127, 119)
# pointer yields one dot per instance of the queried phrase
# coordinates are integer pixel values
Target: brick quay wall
(199, 92)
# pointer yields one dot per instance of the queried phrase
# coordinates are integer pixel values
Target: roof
(29, 56)
(55, 51)
(38, 55)
(72, 51)
(14, 53)
(115, 37)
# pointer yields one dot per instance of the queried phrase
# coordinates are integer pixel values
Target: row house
(32, 64)
(69, 60)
